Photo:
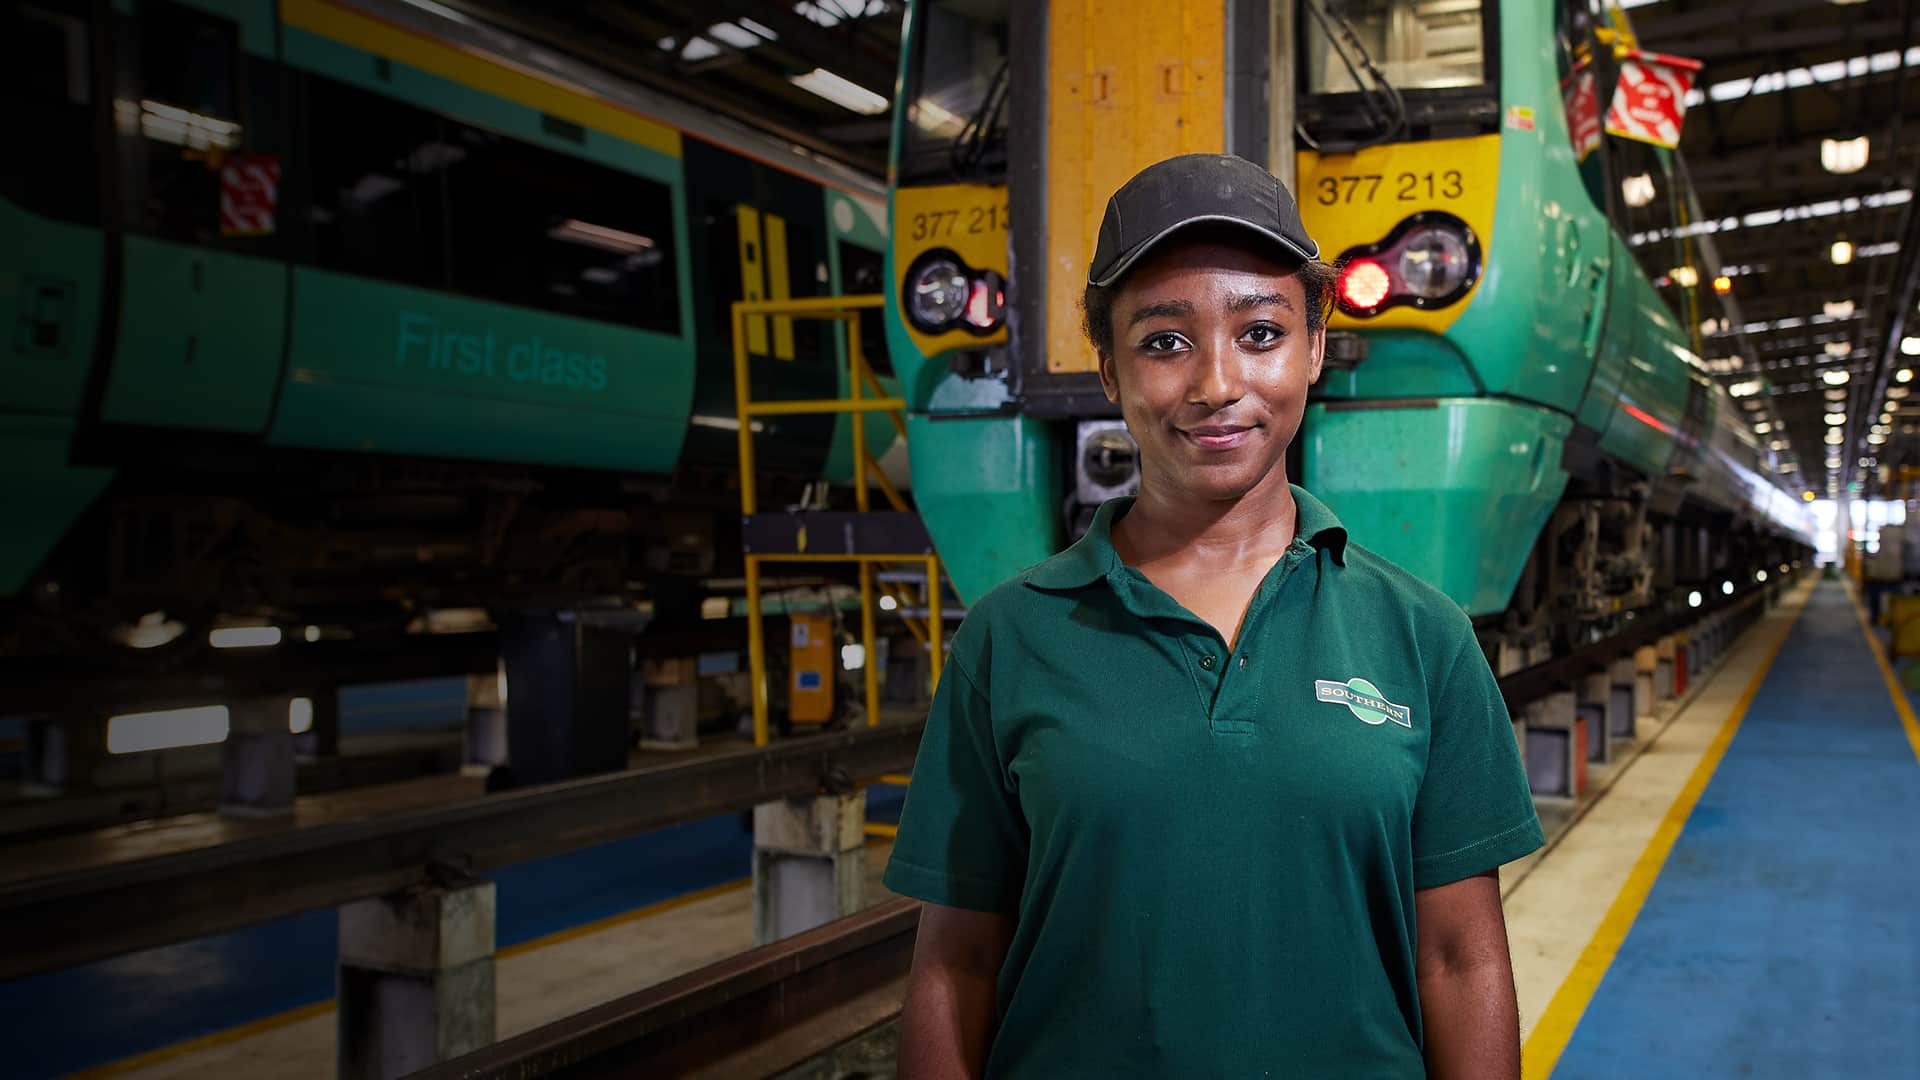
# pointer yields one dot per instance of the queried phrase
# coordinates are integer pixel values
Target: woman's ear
(1109, 378)
(1319, 350)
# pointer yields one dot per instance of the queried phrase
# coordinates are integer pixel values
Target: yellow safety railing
(866, 471)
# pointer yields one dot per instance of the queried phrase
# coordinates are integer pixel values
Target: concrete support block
(1556, 747)
(1646, 671)
(669, 716)
(809, 863)
(257, 770)
(486, 741)
(1663, 669)
(1620, 710)
(1596, 691)
(416, 982)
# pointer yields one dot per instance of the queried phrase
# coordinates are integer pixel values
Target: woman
(1214, 792)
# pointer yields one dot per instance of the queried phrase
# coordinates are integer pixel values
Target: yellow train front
(1511, 410)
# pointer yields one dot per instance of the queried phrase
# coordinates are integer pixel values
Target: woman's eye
(1263, 334)
(1163, 342)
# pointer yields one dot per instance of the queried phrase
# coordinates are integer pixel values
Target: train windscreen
(956, 122)
(1414, 44)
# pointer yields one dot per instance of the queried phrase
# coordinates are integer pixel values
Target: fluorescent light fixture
(1836, 376)
(1839, 309)
(1637, 190)
(840, 91)
(1909, 346)
(1684, 276)
(1839, 348)
(1777, 445)
(888, 603)
(1835, 438)
(1841, 253)
(244, 637)
(300, 715)
(1773, 82)
(1843, 155)
(853, 657)
(1835, 419)
(1745, 389)
(312, 634)
(739, 37)
(1836, 395)
(603, 237)
(1778, 215)
(1762, 427)
(1876, 439)
(166, 729)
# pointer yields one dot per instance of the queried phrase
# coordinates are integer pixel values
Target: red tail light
(1364, 285)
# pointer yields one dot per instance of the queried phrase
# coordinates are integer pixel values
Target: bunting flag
(1651, 99)
(249, 194)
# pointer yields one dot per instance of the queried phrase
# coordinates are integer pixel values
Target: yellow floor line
(1886, 672)
(1549, 1037)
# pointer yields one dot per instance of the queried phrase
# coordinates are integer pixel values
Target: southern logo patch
(1364, 700)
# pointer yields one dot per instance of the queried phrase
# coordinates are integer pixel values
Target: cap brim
(1134, 254)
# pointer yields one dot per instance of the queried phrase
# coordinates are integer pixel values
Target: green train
(347, 313)
(1511, 408)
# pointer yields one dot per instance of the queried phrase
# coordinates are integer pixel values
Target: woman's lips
(1217, 437)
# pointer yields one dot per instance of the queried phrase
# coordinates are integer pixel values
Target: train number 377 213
(971, 220)
(1402, 187)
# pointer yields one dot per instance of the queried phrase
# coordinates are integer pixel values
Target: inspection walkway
(1745, 901)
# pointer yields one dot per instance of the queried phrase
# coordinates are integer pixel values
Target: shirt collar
(1092, 557)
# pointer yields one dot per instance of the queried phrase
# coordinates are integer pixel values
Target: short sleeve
(1474, 811)
(962, 840)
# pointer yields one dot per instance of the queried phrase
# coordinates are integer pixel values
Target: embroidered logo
(1364, 700)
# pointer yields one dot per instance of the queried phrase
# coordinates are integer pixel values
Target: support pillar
(1620, 699)
(1596, 690)
(809, 863)
(566, 697)
(257, 769)
(665, 703)
(416, 979)
(1556, 748)
(1663, 669)
(486, 739)
(1646, 670)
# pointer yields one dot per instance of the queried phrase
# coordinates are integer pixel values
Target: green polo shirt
(1211, 853)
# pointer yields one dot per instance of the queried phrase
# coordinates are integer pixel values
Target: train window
(1415, 44)
(956, 124)
(46, 90)
(378, 191)
(549, 230)
(1583, 77)
(186, 120)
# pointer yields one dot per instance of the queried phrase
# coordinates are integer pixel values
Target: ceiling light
(1684, 276)
(1839, 348)
(1723, 284)
(1898, 392)
(1836, 376)
(1909, 346)
(1778, 444)
(1876, 439)
(1637, 190)
(1843, 155)
(1745, 389)
(1836, 395)
(1763, 427)
(1841, 253)
(1835, 419)
(1839, 309)
(1835, 438)
(840, 91)
(1886, 418)
(618, 241)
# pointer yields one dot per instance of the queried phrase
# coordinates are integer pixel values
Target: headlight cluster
(1429, 260)
(942, 293)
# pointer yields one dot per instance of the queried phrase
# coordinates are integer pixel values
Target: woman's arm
(947, 1022)
(1467, 1001)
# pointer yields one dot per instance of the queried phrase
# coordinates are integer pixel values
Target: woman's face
(1210, 366)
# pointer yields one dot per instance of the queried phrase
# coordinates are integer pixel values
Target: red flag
(1651, 99)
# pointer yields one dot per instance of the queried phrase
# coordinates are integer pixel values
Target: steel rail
(58, 920)
(754, 1015)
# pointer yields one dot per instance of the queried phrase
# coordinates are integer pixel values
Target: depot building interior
(492, 488)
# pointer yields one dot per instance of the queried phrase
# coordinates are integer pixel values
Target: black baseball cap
(1195, 189)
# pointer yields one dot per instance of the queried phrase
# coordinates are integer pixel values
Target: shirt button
(1207, 662)
(1243, 661)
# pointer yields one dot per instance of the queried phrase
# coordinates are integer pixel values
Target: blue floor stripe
(54, 1024)
(1782, 938)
